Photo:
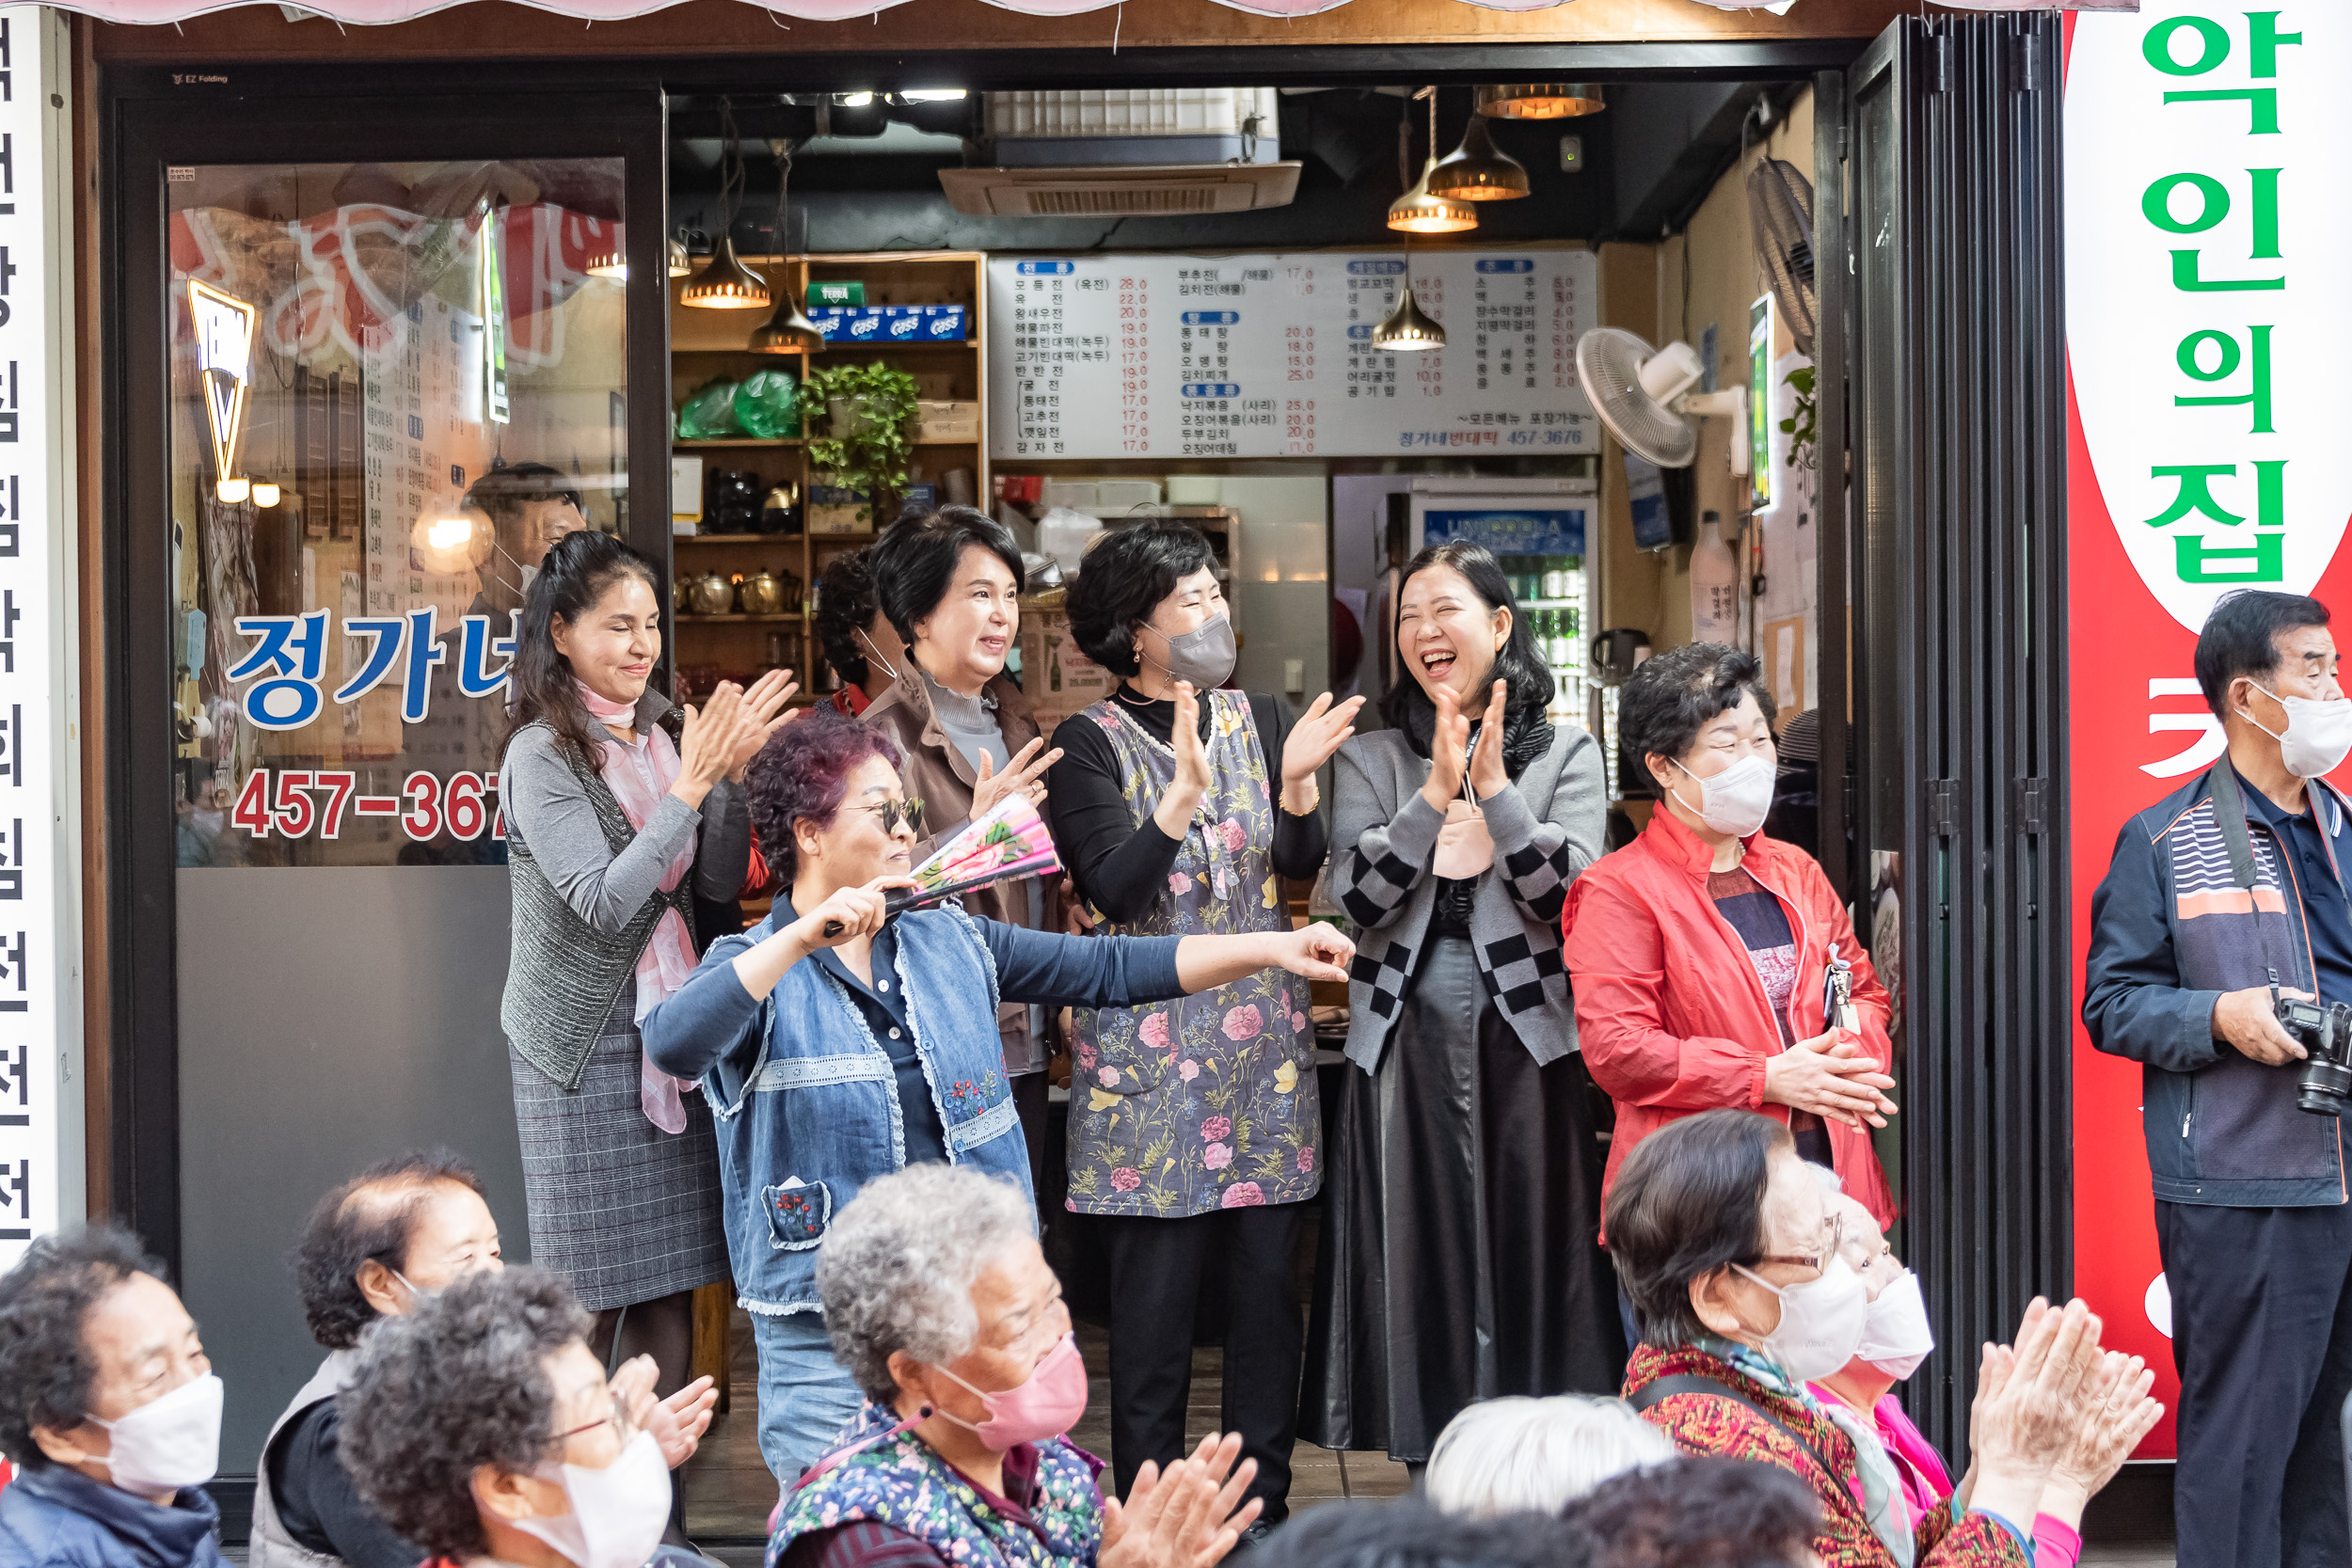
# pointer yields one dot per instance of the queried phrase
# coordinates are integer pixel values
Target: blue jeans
(806, 1396)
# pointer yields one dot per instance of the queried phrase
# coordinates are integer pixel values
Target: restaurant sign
(2206, 146)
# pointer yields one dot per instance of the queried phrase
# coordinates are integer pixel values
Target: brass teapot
(713, 594)
(760, 594)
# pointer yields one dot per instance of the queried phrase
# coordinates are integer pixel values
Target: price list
(1273, 356)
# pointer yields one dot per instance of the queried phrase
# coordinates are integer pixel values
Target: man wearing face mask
(481, 1427)
(2220, 898)
(1901, 1469)
(108, 1408)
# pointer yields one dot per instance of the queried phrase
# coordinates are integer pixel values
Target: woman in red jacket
(1706, 958)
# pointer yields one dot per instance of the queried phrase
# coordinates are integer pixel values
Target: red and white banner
(2207, 150)
(364, 13)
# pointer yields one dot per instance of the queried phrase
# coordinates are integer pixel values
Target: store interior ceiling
(865, 173)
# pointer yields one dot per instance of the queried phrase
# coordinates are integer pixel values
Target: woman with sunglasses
(837, 1042)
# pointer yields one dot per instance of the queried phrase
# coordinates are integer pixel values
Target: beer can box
(847, 292)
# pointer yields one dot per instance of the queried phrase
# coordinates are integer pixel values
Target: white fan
(1642, 394)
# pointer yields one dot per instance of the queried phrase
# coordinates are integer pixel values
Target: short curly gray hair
(458, 1383)
(896, 1267)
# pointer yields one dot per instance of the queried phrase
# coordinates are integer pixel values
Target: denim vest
(814, 1115)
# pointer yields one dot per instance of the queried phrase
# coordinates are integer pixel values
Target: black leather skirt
(1460, 1258)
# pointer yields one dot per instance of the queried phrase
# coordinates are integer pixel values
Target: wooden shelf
(735, 539)
(691, 620)
(844, 345)
(679, 445)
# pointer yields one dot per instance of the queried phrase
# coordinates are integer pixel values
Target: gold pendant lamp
(1540, 100)
(1421, 211)
(1478, 170)
(727, 284)
(787, 331)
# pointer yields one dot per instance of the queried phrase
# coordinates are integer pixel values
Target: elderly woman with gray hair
(1521, 1455)
(941, 1305)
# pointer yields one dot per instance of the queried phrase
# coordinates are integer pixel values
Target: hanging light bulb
(613, 260)
(681, 265)
(727, 284)
(232, 491)
(1406, 329)
(1478, 170)
(787, 331)
(1418, 211)
(265, 492)
(1540, 100)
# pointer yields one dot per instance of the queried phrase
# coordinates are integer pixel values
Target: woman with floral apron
(1193, 1124)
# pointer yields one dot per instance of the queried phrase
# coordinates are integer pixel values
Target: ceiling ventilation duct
(1119, 153)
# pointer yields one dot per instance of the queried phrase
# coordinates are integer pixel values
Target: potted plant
(869, 421)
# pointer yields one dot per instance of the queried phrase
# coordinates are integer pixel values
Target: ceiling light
(1540, 100)
(1406, 329)
(727, 284)
(1420, 212)
(681, 265)
(787, 331)
(235, 490)
(1478, 170)
(856, 100)
(265, 492)
(934, 95)
(612, 261)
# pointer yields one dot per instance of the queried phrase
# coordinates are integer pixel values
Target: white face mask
(1895, 1333)
(1820, 1322)
(168, 1443)
(618, 1513)
(2318, 736)
(1734, 801)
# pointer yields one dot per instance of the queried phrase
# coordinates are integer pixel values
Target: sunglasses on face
(909, 811)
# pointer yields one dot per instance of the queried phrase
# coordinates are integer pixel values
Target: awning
(365, 12)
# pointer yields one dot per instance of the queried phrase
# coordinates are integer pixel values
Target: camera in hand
(2325, 1029)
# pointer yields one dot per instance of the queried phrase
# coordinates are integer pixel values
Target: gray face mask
(1203, 656)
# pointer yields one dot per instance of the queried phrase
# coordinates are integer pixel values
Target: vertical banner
(40, 1011)
(2207, 149)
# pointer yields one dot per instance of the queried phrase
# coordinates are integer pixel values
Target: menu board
(1271, 355)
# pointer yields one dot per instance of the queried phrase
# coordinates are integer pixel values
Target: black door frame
(139, 137)
(1942, 299)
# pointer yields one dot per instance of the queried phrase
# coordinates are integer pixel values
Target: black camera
(2324, 1029)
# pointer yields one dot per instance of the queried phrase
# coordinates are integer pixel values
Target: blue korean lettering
(383, 633)
(475, 650)
(425, 652)
(291, 650)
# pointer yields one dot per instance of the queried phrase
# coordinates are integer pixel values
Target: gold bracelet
(1314, 798)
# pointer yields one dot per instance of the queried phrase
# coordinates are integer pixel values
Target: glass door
(363, 390)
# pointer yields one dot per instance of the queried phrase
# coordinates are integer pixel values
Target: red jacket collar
(1677, 846)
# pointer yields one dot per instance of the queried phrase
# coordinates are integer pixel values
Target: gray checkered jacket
(1546, 826)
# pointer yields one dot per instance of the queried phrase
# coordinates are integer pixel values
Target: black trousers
(1155, 1276)
(2262, 1335)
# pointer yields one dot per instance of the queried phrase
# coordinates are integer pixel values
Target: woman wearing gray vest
(612, 823)
(1460, 1242)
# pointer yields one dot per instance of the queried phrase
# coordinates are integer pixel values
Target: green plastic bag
(767, 404)
(709, 414)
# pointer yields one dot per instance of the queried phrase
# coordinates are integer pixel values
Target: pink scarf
(1926, 1483)
(639, 776)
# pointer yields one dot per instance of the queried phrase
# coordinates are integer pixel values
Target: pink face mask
(1047, 1405)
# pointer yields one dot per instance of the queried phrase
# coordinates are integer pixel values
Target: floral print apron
(1207, 1102)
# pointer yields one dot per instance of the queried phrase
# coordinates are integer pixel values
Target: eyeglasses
(617, 1417)
(1832, 1234)
(909, 811)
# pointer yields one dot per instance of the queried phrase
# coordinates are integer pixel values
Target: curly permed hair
(458, 1383)
(802, 774)
(896, 1268)
(45, 1301)
(369, 1217)
(1669, 699)
(845, 606)
(1699, 1513)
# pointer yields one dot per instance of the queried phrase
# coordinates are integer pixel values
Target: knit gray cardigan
(1547, 827)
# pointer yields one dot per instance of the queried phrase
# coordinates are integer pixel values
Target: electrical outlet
(1571, 155)
(1294, 676)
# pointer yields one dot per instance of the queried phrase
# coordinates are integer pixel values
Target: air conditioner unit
(1172, 190)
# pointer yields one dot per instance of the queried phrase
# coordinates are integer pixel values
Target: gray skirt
(624, 1211)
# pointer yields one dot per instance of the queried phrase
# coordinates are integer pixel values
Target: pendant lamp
(682, 266)
(787, 331)
(727, 284)
(1478, 170)
(1406, 329)
(1420, 212)
(1540, 100)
